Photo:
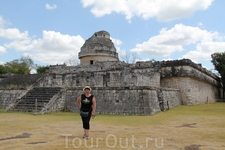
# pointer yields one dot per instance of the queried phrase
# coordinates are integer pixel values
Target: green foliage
(218, 60)
(42, 69)
(18, 66)
(3, 69)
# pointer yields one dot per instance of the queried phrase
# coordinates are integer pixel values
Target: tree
(129, 57)
(28, 62)
(42, 69)
(3, 69)
(16, 67)
(72, 62)
(19, 66)
(218, 60)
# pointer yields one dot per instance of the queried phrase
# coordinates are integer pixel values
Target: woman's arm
(93, 106)
(79, 101)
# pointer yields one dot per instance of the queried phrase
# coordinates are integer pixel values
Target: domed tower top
(103, 34)
(99, 47)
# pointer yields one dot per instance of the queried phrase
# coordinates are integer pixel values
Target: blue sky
(52, 31)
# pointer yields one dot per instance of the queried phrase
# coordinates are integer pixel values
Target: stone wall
(126, 100)
(56, 68)
(170, 98)
(108, 74)
(185, 67)
(110, 100)
(197, 85)
(9, 97)
(20, 81)
(95, 58)
(50, 80)
(192, 91)
(3, 76)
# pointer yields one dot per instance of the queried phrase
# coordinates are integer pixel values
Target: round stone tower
(99, 47)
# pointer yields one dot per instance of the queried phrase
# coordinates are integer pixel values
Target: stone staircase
(36, 99)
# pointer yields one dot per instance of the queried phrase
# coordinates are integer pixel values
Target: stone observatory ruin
(99, 47)
(143, 88)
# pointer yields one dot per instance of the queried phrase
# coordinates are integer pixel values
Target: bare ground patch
(24, 135)
(192, 147)
(189, 125)
(39, 142)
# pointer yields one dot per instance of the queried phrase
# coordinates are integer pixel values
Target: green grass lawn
(184, 127)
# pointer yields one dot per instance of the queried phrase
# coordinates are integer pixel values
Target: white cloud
(50, 7)
(123, 54)
(117, 43)
(33, 71)
(52, 48)
(173, 40)
(55, 48)
(170, 41)
(20, 45)
(160, 9)
(18, 38)
(204, 50)
(2, 49)
(11, 33)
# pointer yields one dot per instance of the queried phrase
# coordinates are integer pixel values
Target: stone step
(34, 100)
(28, 107)
(37, 94)
(27, 110)
(31, 104)
(38, 98)
(42, 95)
(45, 91)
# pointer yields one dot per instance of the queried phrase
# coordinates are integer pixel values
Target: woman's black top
(86, 102)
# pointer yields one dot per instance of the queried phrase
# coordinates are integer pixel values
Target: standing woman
(87, 103)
